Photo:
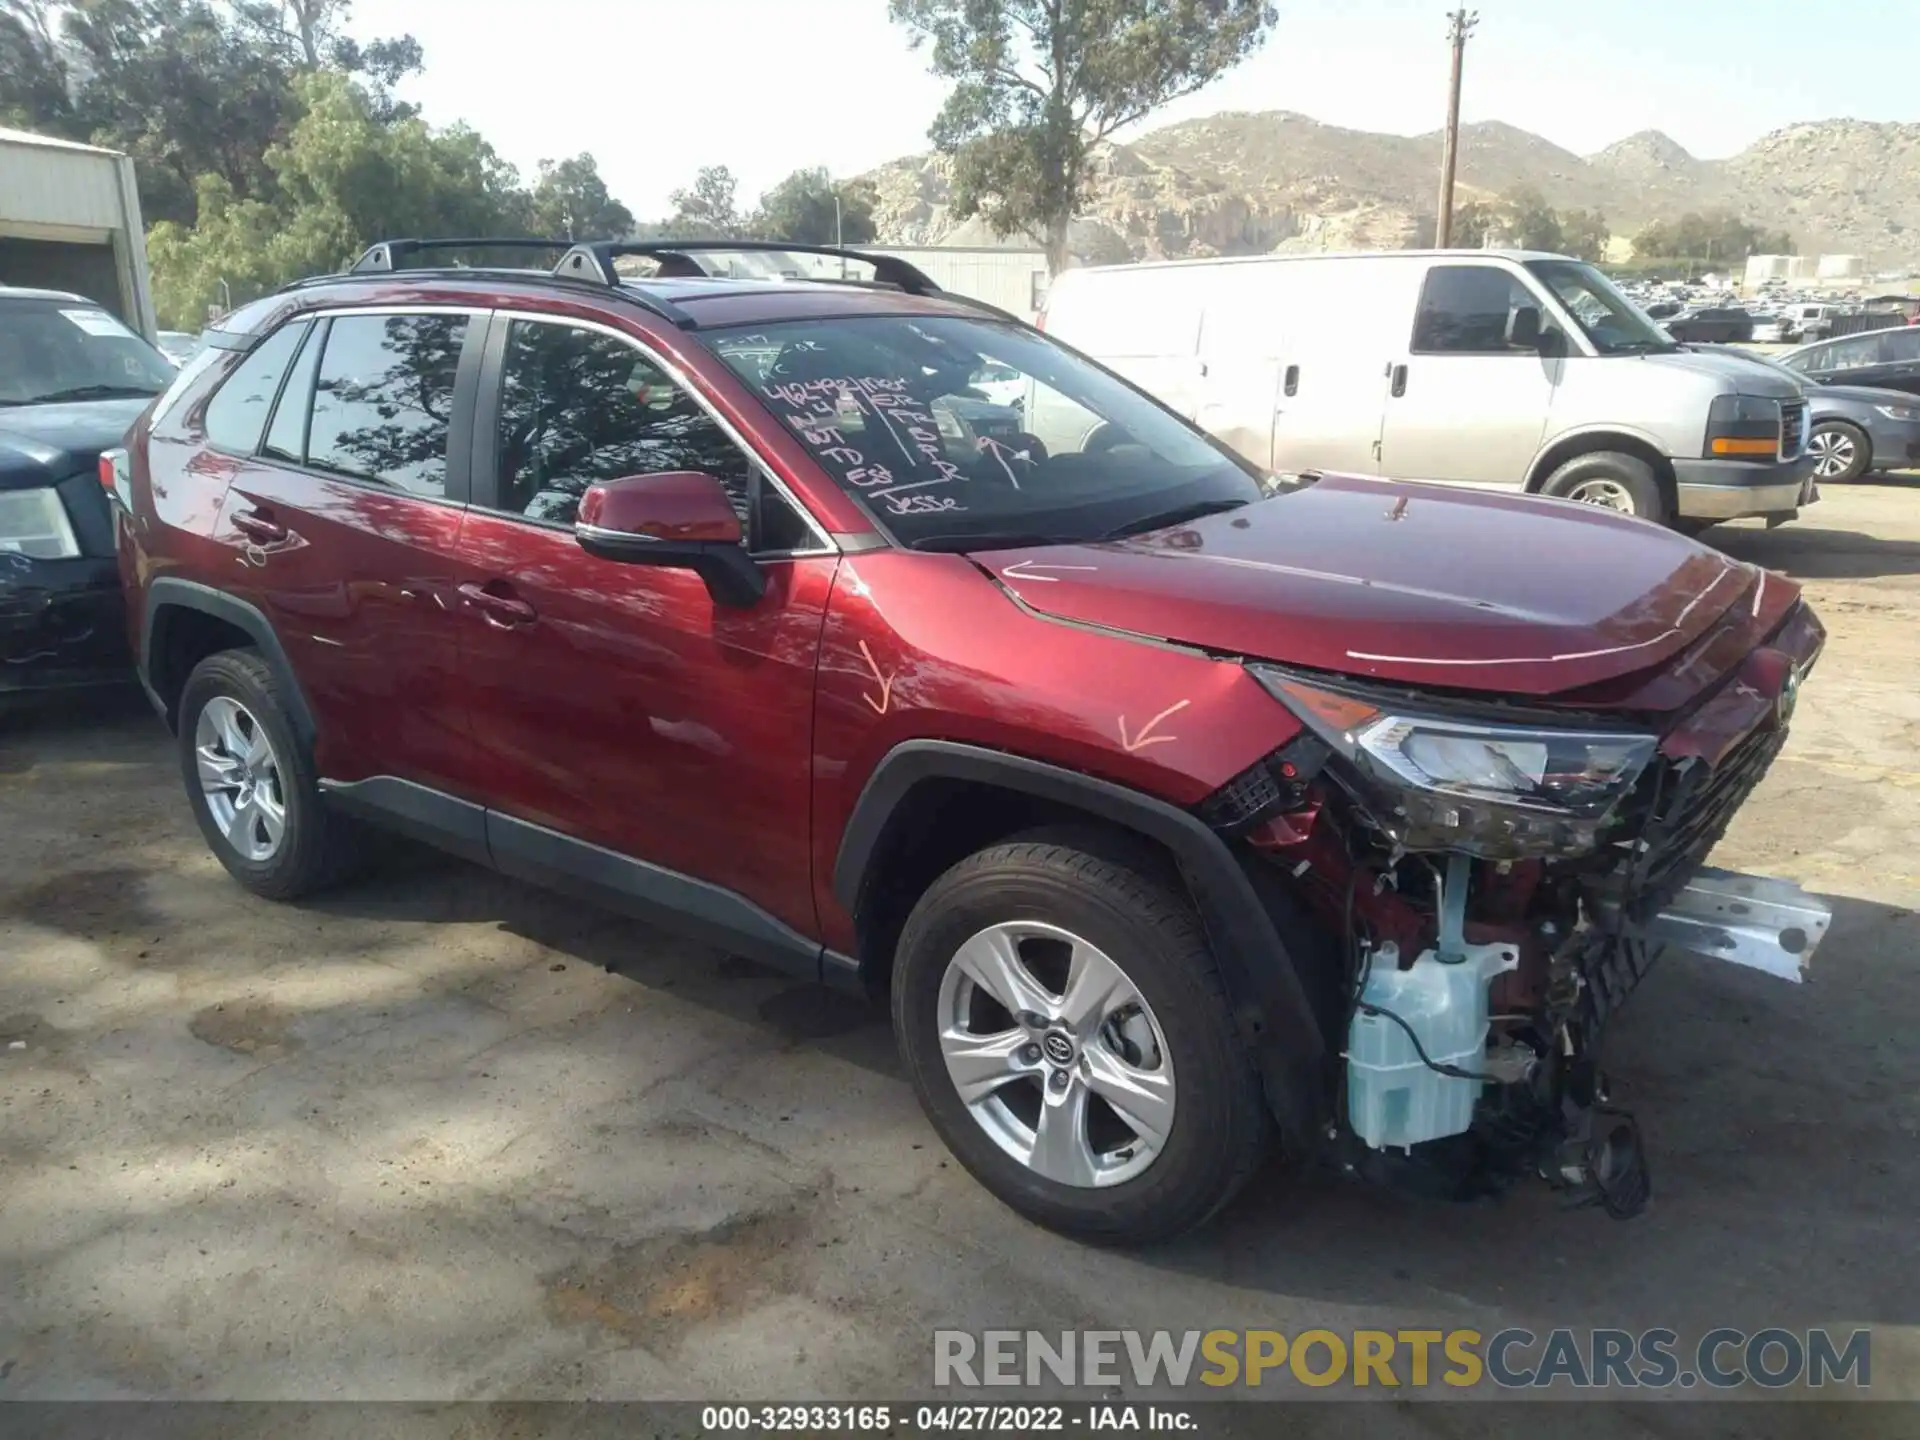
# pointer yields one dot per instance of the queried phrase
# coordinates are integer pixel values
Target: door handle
(1399, 380)
(1292, 384)
(497, 609)
(259, 525)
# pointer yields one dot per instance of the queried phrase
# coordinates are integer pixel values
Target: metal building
(70, 220)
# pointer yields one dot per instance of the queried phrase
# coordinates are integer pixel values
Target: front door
(644, 742)
(344, 518)
(1462, 403)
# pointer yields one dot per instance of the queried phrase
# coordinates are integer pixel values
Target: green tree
(1039, 83)
(707, 209)
(1717, 238)
(1528, 222)
(340, 180)
(1584, 233)
(1474, 224)
(802, 207)
(571, 200)
(33, 74)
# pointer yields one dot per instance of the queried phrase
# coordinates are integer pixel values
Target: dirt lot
(441, 1136)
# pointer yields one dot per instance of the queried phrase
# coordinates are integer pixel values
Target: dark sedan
(72, 380)
(1856, 429)
(1885, 359)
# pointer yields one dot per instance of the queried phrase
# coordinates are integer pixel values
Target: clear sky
(657, 88)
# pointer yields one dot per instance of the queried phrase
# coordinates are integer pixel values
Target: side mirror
(682, 519)
(1523, 327)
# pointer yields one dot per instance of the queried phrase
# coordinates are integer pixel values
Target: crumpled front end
(62, 623)
(1503, 875)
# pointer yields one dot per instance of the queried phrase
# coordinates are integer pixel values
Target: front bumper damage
(62, 624)
(1752, 920)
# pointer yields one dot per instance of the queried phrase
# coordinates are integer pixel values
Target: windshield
(52, 350)
(1609, 319)
(901, 412)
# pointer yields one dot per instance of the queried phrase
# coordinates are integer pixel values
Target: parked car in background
(1711, 324)
(1524, 371)
(1159, 805)
(1809, 322)
(178, 346)
(1855, 429)
(1884, 359)
(1664, 309)
(1770, 328)
(72, 379)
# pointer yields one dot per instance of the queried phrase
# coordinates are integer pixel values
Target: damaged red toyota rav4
(1177, 810)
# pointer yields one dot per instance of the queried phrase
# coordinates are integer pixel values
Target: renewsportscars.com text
(1515, 1359)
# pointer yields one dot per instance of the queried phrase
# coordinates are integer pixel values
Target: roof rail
(387, 255)
(594, 260)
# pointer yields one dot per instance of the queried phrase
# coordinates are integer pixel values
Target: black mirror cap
(731, 576)
(1523, 327)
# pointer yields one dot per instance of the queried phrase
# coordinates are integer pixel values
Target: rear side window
(1464, 310)
(1899, 345)
(237, 413)
(383, 399)
(1848, 354)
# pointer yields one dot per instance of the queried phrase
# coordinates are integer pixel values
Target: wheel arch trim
(1270, 1001)
(170, 592)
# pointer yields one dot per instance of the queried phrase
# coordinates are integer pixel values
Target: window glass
(1464, 310)
(1898, 345)
(578, 406)
(287, 434)
(383, 400)
(238, 411)
(1848, 354)
(891, 409)
(52, 351)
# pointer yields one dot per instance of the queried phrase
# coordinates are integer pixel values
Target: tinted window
(1464, 309)
(1848, 354)
(383, 400)
(238, 411)
(287, 435)
(1899, 345)
(578, 406)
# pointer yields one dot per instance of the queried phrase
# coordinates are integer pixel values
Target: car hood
(44, 444)
(1409, 583)
(1742, 374)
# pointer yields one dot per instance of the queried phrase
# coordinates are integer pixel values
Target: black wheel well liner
(1270, 999)
(169, 599)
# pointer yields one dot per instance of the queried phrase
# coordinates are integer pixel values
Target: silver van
(1492, 368)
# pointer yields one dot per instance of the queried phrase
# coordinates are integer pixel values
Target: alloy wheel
(1833, 453)
(240, 778)
(1056, 1054)
(1608, 494)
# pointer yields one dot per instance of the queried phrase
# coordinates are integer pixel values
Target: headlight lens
(34, 523)
(1899, 412)
(1501, 791)
(1743, 427)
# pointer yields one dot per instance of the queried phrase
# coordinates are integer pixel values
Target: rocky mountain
(1246, 183)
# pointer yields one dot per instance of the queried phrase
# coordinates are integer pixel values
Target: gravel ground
(441, 1136)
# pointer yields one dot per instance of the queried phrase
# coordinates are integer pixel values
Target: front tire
(1611, 480)
(252, 784)
(1065, 1027)
(1841, 452)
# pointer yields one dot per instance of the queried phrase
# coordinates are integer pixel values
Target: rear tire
(1035, 914)
(251, 782)
(1841, 452)
(1611, 480)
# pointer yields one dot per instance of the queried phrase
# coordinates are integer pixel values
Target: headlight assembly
(1499, 791)
(34, 523)
(1899, 412)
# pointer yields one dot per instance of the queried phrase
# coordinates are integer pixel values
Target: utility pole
(1459, 25)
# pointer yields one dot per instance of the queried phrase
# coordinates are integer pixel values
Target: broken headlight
(1505, 792)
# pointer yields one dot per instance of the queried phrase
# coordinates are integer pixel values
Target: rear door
(1462, 403)
(1345, 321)
(343, 522)
(1896, 364)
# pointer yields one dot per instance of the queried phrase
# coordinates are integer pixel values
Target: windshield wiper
(90, 392)
(989, 540)
(1180, 516)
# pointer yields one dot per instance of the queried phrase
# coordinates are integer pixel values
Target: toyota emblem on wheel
(1058, 1047)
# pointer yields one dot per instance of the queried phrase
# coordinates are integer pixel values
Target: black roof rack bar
(594, 260)
(387, 255)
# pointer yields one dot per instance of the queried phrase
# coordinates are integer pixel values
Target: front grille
(1691, 804)
(1793, 419)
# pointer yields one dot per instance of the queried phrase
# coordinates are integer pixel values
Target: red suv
(1174, 805)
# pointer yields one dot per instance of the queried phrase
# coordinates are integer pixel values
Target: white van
(1498, 368)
